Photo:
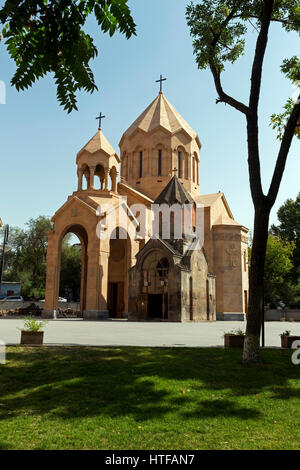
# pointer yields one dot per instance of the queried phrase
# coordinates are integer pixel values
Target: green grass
(144, 398)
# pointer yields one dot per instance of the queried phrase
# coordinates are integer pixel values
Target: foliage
(278, 265)
(33, 325)
(236, 332)
(70, 276)
(289, 229)
(285, 333)
(25, 260)
(278, 260)
(44, 36)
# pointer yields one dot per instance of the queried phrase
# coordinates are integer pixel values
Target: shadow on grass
(143, 383)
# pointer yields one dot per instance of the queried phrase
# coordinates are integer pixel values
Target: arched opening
(85, 176)
(73, 266)
(100, 174)
(155, 276)
(118, 263)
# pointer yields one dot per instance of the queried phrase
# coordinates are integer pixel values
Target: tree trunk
(251, 352)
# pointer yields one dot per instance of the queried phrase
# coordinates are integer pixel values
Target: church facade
(130, 269)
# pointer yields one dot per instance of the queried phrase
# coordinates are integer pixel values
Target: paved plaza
(124, 333)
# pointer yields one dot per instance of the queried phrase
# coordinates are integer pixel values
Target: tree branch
(224, 97)
(283, 153)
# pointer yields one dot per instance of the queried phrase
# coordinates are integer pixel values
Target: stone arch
(54, 267)
(81, 233)
(84, 177)
(100, 174)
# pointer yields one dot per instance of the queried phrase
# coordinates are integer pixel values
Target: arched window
(162, 267)
(159, 162)
(100, 173)
(179, 164)
(141, 164)
(193, 169)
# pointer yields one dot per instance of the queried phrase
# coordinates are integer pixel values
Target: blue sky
(39, 141)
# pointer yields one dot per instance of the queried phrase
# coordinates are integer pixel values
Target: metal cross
(175, 171)
(161, 80)
(100, 117)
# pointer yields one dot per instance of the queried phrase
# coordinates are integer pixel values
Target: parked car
(13, 298)
(60, 299)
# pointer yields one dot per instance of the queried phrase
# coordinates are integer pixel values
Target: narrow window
(193, 160)
(159, 163)
(179, 164)
(141, 164)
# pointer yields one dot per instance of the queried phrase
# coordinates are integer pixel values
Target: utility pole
(5, 238)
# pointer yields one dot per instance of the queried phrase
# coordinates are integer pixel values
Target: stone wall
(276, 315)
(7, 306)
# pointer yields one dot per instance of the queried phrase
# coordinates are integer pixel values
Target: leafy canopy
(45, 36)
(218, 29)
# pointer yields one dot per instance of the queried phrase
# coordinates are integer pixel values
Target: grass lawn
(146, 398)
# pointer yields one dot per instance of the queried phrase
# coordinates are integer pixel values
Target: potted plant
(31, 332)
(234, 339)
(287, 340)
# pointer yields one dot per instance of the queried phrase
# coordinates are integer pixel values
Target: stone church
(140, 274)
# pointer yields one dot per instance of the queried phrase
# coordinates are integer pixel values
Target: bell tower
(158, 141)
(97, 165)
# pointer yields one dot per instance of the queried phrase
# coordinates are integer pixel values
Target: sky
(39, 140)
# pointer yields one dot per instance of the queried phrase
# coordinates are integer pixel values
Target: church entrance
(155, 275)
(115, 301)
(119, 249)
(158, 306)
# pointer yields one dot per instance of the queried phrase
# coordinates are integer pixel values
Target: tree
(47, 36)
(218, 28)
(278, 264)
(70, 274)
(25, 259)
(289, 229)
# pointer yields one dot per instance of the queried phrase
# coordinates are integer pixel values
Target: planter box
(287, 341)
(32, 337)
(234, 341)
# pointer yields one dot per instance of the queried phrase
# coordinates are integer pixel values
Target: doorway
(115, 299)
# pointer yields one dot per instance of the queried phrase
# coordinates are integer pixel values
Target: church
(129, 269)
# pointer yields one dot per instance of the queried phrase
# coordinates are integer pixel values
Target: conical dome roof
(174, 193)
(160, 113)
(96, 143)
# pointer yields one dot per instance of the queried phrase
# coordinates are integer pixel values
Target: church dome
(161, 113)
(159, 142)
